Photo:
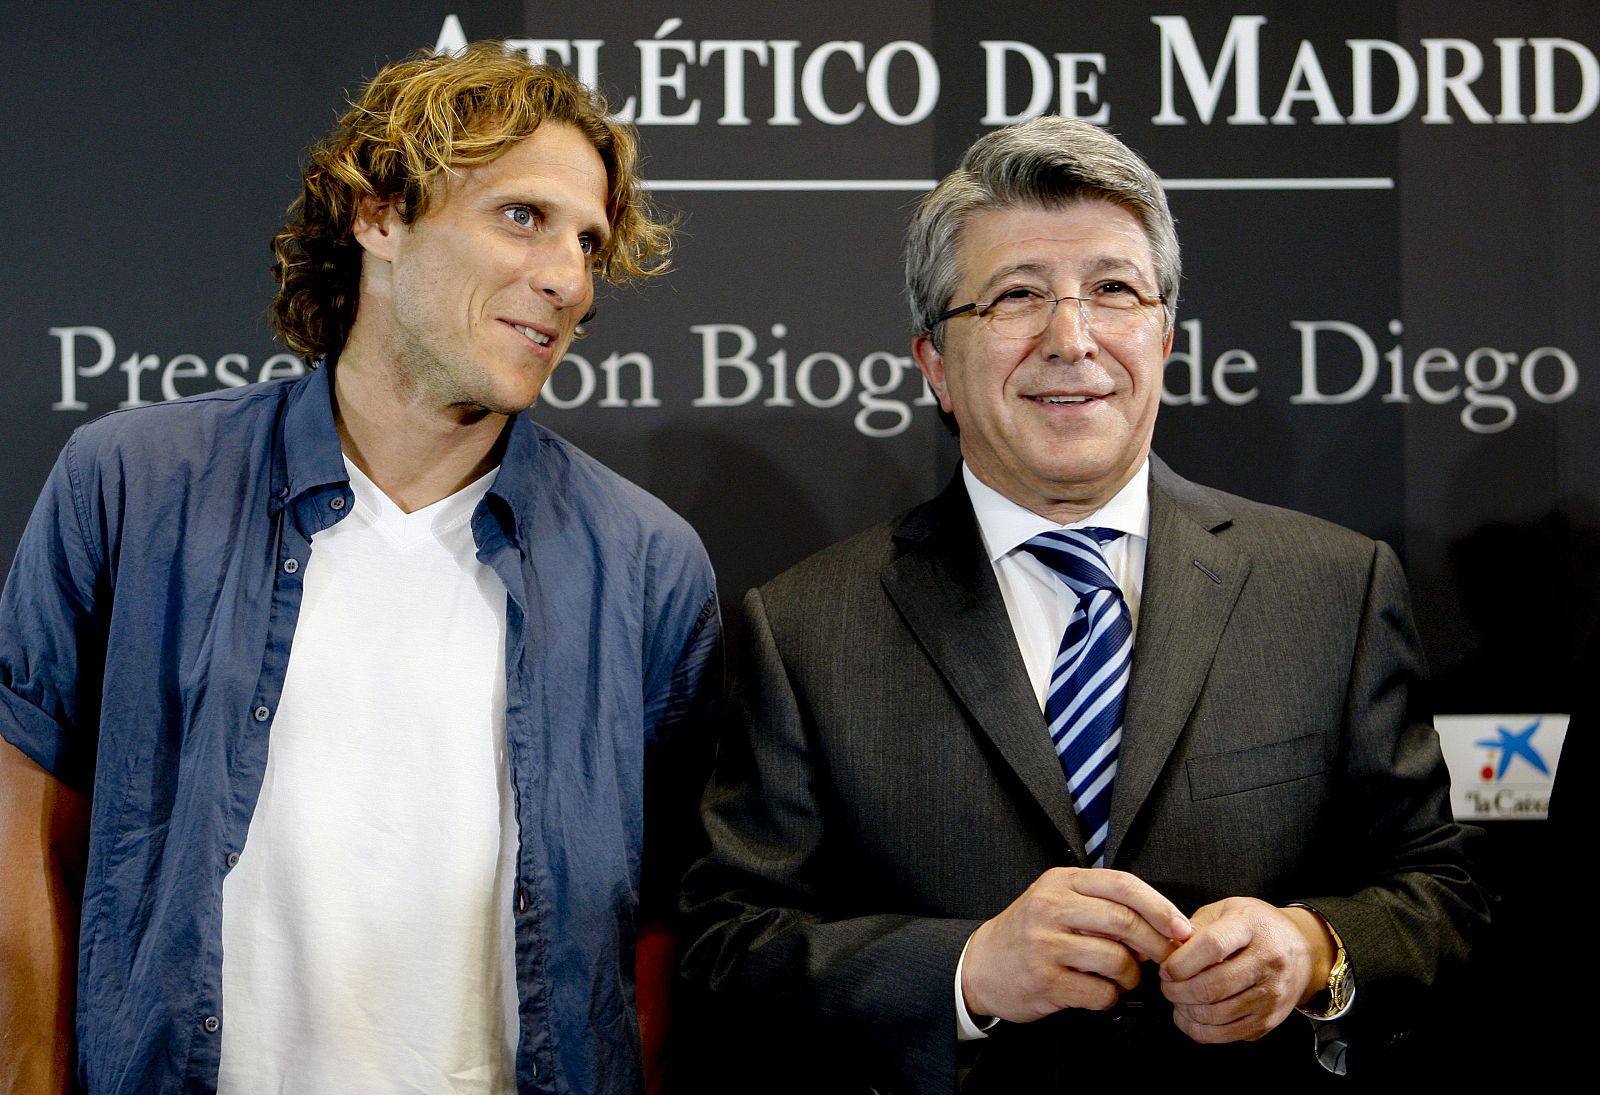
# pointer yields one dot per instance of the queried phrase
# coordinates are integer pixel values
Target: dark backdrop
(1388, 274)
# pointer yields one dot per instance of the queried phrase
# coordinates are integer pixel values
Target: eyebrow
(1104, 264)
(1033, 269)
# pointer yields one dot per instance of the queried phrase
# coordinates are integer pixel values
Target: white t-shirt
(367, 927)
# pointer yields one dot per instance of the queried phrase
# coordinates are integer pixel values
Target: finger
(1212, 944)
(1214, 983)
(1232, 980)
(1253, 1007)
(1117, 923)
(1088, 991)
(1244, 1029)
(1136, 894)
(1105, 958)
(1075, 989)
(1023, 972)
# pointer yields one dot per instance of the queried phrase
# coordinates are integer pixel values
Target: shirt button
(337, 503)
(261, 714)
(212, 1024)
(233, 859)
(291, 565)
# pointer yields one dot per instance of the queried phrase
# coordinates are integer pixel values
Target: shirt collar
(312, 455)
(1006, 526)
(314, 458)
(513, 496)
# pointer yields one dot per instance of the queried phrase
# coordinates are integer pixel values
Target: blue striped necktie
(1089, 683)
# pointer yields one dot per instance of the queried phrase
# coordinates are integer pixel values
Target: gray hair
(1048, 161)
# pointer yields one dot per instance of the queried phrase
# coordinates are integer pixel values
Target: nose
(561, 273)
(1068, 334)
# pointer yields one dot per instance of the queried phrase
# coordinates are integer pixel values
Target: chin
(502, 403)
(513, 394)
(511, 407)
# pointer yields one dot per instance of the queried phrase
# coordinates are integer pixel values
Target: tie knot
(1075, 556)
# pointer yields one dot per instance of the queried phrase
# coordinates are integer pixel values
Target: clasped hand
(1076, 938)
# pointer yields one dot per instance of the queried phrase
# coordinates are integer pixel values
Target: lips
(1055, 399)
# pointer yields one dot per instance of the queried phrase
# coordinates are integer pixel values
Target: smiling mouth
(1062, 400)
(534, 336)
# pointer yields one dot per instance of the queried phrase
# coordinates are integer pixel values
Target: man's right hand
(1074, 939)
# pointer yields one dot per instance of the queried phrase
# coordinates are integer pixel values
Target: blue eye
(522, 216)
(589, 243)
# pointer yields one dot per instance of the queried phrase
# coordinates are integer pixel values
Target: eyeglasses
(1112, 307)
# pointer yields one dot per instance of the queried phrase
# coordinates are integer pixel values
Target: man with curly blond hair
(340, 709)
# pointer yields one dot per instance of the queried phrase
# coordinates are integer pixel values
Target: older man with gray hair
(1080, 766)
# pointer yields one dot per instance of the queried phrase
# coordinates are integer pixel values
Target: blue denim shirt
(144, 633)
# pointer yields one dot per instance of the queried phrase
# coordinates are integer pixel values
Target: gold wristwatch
(1341, 983)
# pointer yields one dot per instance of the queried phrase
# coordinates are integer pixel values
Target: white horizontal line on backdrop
(790, 184)
(1356, 183)
(918, 185)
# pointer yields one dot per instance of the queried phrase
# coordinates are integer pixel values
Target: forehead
(1085, 234)
(555, 161)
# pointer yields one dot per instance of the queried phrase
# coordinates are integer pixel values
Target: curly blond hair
(420, 118)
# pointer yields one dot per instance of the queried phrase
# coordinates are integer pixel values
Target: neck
(416, 453)
(1051, 505)
(1067, 511)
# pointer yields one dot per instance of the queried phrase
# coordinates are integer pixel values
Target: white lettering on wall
(681, 79)
(1454, 79)
(1340, 364)
(1481, 379)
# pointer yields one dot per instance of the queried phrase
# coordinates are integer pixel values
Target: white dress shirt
(1038, 602)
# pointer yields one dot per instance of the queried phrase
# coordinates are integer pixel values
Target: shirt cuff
(1328, 1041)
(966, 1029)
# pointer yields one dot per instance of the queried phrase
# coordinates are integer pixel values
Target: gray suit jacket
(885, 783)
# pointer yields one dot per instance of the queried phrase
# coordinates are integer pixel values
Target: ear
(931, 362)
(377, 227)
(1166, 343)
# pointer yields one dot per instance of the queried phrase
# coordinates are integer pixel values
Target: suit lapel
(1192, 580)
(944, 588)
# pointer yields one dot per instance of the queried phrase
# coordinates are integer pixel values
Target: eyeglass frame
(982, 308)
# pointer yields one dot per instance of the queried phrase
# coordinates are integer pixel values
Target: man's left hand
(1246, 967)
